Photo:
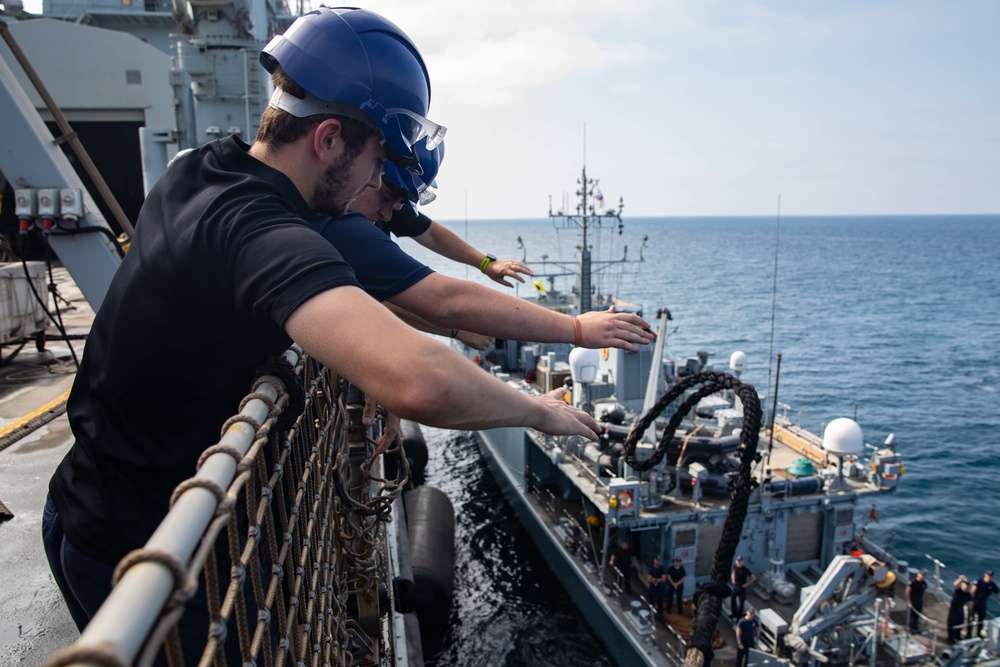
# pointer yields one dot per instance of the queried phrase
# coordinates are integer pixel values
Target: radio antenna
(774, 299)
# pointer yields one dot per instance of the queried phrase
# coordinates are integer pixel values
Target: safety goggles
(401, 129)
(425, 196)
(418, 127)
(404, 129)
(408, 185)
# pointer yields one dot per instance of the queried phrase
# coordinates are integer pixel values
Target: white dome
(583, 364)
(843, 437)
(738, 361)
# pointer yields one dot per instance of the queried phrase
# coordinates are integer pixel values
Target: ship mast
(585, 217)
(583, 254)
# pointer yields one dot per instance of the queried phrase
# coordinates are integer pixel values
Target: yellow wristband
(483, 264)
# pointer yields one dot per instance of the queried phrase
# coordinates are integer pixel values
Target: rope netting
(290, 563)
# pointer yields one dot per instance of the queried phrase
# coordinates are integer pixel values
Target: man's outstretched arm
(446, 243)
(450, 302)
(474, 340)
(416, 377)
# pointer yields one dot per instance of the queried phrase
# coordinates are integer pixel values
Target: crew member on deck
(387, 208)
(957, 611)
(657, 579)
(982, 589)
(740, 580)
(746, 637)
(915, 599)
(675, 586)
(622, 562)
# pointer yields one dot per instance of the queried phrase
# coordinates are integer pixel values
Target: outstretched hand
(389, 430)
(500, 269)
(474, 340)
(608, 328)
(563, 419)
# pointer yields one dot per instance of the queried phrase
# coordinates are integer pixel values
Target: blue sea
(891, 320)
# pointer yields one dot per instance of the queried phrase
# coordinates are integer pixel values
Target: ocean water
(891, 320)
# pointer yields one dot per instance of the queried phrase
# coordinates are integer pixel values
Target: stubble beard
(332, 198)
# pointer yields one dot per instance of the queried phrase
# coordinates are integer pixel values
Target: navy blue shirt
(746, 632)
(382, 267)
(917, 588)
(223, 254)
(676, 572)
(406, 222)
(983, 590)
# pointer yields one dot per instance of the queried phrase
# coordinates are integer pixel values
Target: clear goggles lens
(427, 196)
(415, 127)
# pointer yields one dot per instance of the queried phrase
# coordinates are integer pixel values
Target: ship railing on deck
(301, 511)
(584, 467)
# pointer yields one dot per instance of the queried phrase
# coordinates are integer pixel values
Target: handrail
(301, 516)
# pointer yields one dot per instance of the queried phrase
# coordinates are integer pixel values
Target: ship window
(133, 76)
(684, 538)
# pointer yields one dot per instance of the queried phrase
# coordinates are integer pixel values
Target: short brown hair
(279, 127)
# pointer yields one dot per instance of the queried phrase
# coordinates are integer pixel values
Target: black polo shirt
(223, 253)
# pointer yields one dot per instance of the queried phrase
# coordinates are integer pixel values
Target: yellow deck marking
(19, 423)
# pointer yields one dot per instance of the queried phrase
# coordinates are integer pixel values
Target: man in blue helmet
(226, 270)
(390, 275)
(441, 305)
(387, 208)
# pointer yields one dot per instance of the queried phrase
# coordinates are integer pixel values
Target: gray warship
(665, 477)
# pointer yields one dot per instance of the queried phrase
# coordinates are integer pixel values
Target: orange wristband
(577, 333)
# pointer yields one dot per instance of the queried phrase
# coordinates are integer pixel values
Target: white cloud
(497, 54)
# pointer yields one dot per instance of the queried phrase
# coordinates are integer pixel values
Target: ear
(328, 140)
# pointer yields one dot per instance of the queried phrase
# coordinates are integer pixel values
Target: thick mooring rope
(708, 596)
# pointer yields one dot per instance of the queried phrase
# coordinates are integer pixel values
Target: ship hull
(505, 452)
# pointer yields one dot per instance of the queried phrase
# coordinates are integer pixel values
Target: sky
(713, 107)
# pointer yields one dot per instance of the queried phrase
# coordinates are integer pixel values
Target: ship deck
(34, 621)
(899, 645)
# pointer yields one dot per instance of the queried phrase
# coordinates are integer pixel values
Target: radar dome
(843, 437)
(583, 364)
(738, 361)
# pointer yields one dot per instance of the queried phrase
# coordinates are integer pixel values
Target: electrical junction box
(21, 316)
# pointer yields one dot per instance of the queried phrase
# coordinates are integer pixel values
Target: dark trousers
(979, 611)
(678, 593)
(737, 601)
(85, 583)
(916, 608)
(742, 656)
(656, 594)
(956, 623)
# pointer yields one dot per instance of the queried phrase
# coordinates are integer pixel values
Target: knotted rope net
(290, 566)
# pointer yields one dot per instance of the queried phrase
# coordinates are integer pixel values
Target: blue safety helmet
(417, 188)
(355, 63)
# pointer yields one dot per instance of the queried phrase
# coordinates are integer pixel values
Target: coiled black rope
(708, 596)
